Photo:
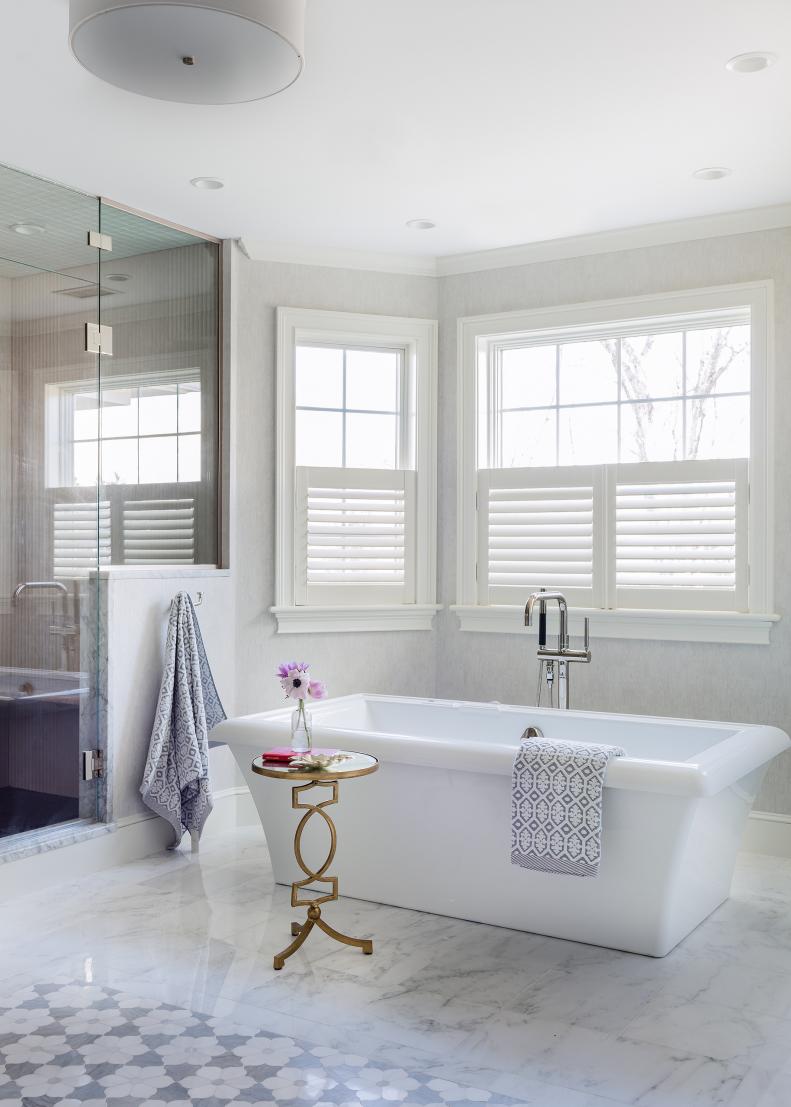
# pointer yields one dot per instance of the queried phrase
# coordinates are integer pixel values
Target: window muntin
(145, 439)
(137, 433)
(374, 384)
(351, 407)
(662, 395)
(719, 390)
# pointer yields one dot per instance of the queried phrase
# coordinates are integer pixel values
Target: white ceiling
(504, 121)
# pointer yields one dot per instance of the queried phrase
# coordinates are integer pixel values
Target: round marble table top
(358, 764)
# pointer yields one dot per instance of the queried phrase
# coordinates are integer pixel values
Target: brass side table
(359, 764)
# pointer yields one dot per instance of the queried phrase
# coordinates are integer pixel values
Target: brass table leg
(300, 931)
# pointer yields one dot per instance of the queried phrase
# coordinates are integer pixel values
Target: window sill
(315, 620)
(656, 626)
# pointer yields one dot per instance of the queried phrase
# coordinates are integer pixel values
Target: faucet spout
(57, 585)
(541, 598)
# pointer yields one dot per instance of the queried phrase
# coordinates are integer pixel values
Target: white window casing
(325, 515)
(649, 589)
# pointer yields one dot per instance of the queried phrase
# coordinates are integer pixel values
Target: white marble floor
(551, 1023)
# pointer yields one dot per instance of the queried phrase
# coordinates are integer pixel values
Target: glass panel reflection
(49, 537)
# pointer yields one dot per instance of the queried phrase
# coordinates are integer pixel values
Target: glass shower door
(50, 517)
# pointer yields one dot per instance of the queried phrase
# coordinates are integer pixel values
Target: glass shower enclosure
(109, 448)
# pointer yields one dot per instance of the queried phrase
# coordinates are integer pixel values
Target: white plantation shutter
(650, 536)
(81, 538)
(354, 536)
(159, 532)
(540, 528)
(680, 535)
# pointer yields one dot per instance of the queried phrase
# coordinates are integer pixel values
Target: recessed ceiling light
(751, 63)
(207, 183)
(27, 228)
(191, 51)
(711, 173)
(119, 278)
(421, 224)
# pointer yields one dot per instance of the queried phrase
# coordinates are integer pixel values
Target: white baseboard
(768, 833)
(130, 839)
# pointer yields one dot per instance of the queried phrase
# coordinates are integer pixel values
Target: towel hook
(197, 600)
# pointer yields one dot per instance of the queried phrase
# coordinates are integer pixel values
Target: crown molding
(530, 253)
(412, 265)
(630, 238)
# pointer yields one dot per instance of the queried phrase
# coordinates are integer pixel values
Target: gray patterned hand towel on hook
(176, 779)
(556, 805)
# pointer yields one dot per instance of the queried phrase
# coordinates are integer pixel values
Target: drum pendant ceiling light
(191, 51)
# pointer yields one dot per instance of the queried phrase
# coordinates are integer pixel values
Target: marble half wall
(138, 604)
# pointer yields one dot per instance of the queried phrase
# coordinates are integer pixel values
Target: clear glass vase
(301, 729)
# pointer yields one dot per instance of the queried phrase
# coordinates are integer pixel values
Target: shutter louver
(81, 538)
(354, 536)
(539, 528)
(680, 534)
(159, 532)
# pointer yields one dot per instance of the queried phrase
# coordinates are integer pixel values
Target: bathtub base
(439, 841)
(430, 831)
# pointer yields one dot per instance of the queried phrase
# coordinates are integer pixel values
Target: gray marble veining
(546, 1022)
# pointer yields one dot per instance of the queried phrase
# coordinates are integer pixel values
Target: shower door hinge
(92, 764)
(98, 340)
(100, 241)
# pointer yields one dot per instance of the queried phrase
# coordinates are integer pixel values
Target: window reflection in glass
(158, 409)
(119, 461)
(150, 434)
(158, 460)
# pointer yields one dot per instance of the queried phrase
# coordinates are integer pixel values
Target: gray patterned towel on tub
(556, 805)
(176, 779)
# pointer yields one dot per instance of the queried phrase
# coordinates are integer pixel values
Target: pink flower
(294, 679)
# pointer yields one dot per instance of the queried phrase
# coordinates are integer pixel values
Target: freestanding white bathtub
(431, 829)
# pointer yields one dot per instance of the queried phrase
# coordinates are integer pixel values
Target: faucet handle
(586, 632)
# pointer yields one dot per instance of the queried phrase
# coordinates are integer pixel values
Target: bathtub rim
(724, 763)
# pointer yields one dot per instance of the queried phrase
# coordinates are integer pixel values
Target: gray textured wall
(740, 683)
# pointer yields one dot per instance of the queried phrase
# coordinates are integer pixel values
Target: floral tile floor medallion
(81, 1045)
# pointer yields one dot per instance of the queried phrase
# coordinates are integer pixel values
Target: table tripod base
(300, 931)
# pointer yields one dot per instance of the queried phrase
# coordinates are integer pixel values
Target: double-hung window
(356, 471)
(146, 439)
(619, 452)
